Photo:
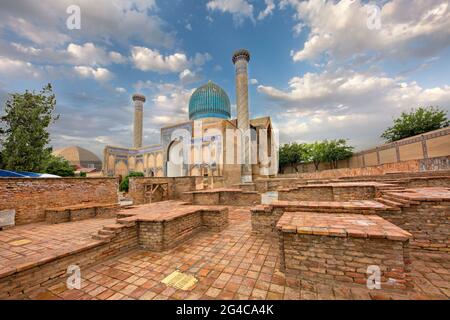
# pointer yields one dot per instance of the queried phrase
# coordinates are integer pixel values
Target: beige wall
(437, 144)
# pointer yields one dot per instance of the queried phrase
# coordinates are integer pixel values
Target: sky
(321, 69)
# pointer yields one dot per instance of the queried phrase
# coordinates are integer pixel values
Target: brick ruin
(324, 230)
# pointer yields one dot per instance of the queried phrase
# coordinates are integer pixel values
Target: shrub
(124, 185)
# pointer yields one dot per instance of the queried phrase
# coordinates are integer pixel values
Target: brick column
(138, 100)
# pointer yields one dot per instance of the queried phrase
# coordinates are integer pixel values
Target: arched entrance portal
(175, 159)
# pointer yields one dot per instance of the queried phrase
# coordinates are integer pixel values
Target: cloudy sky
(321, 69)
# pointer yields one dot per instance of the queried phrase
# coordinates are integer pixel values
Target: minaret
(240, 60)
(138, 100)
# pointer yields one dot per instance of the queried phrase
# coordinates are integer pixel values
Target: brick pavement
(233, 264)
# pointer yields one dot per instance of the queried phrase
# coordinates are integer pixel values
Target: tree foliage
(59, 166)
(124, 185)
(25, 136)
(335, 150)
(293, 154)
(417, 121)
(320, 151)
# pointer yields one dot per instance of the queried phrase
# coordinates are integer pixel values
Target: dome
(209, 101)
(79, 157)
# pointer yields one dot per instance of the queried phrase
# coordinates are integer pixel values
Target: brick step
(102, 237)
(113, 227)
(396, 199)
(107, 232)
(390, 203)
(332, 210)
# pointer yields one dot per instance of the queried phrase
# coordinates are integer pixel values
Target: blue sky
(319, 68)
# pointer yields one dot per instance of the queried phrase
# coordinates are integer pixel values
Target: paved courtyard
(232, 264)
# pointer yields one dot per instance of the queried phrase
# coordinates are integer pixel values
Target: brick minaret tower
(240, 60)
(138, 100)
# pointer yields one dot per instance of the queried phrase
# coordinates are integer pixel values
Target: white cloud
(13, 68)
(99, 74)
(201, 58)
(87, 54)
(403, 26)
(121, 90)
(146, 59)
(270, 6)
(116, 57)
(253, 81)
(187, 76)
(189, 27)
(346, 104)
(74, 54)
(239, 9)
(43, 22)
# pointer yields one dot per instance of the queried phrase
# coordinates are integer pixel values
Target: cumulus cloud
(402, 27)
(187, 76)
(270, 6)
(43, 22)
(346, 103)
(239, 9)
(254, 81)
(146, 59)
(13, 68)
(99, 74)
(74, 54)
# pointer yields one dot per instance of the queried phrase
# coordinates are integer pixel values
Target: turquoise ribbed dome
(209, 101)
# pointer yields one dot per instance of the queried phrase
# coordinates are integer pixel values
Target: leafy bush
(59, 166)
(83, 174)
(124, 185)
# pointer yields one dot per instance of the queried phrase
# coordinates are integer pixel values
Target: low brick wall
(313, 249)
(32, 277)
(176, 187)
(29, 197)
(428, 222)
(327, 193)
(264, 218)
(223, 197)
(76, 213)
(163, 235)
(344, 260)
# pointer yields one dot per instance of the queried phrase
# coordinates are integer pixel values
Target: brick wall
(163, 235)
(32, 278)
(176, 185)
(345, 260)
(30, 197)
(327, 193)
(226, 197)
(428, 222)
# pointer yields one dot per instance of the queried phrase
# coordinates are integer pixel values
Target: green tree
(317, 153)
(25, 130)
(417, 121)
(335, 150)
(293, 154)
(124, 185)
(59, 166)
